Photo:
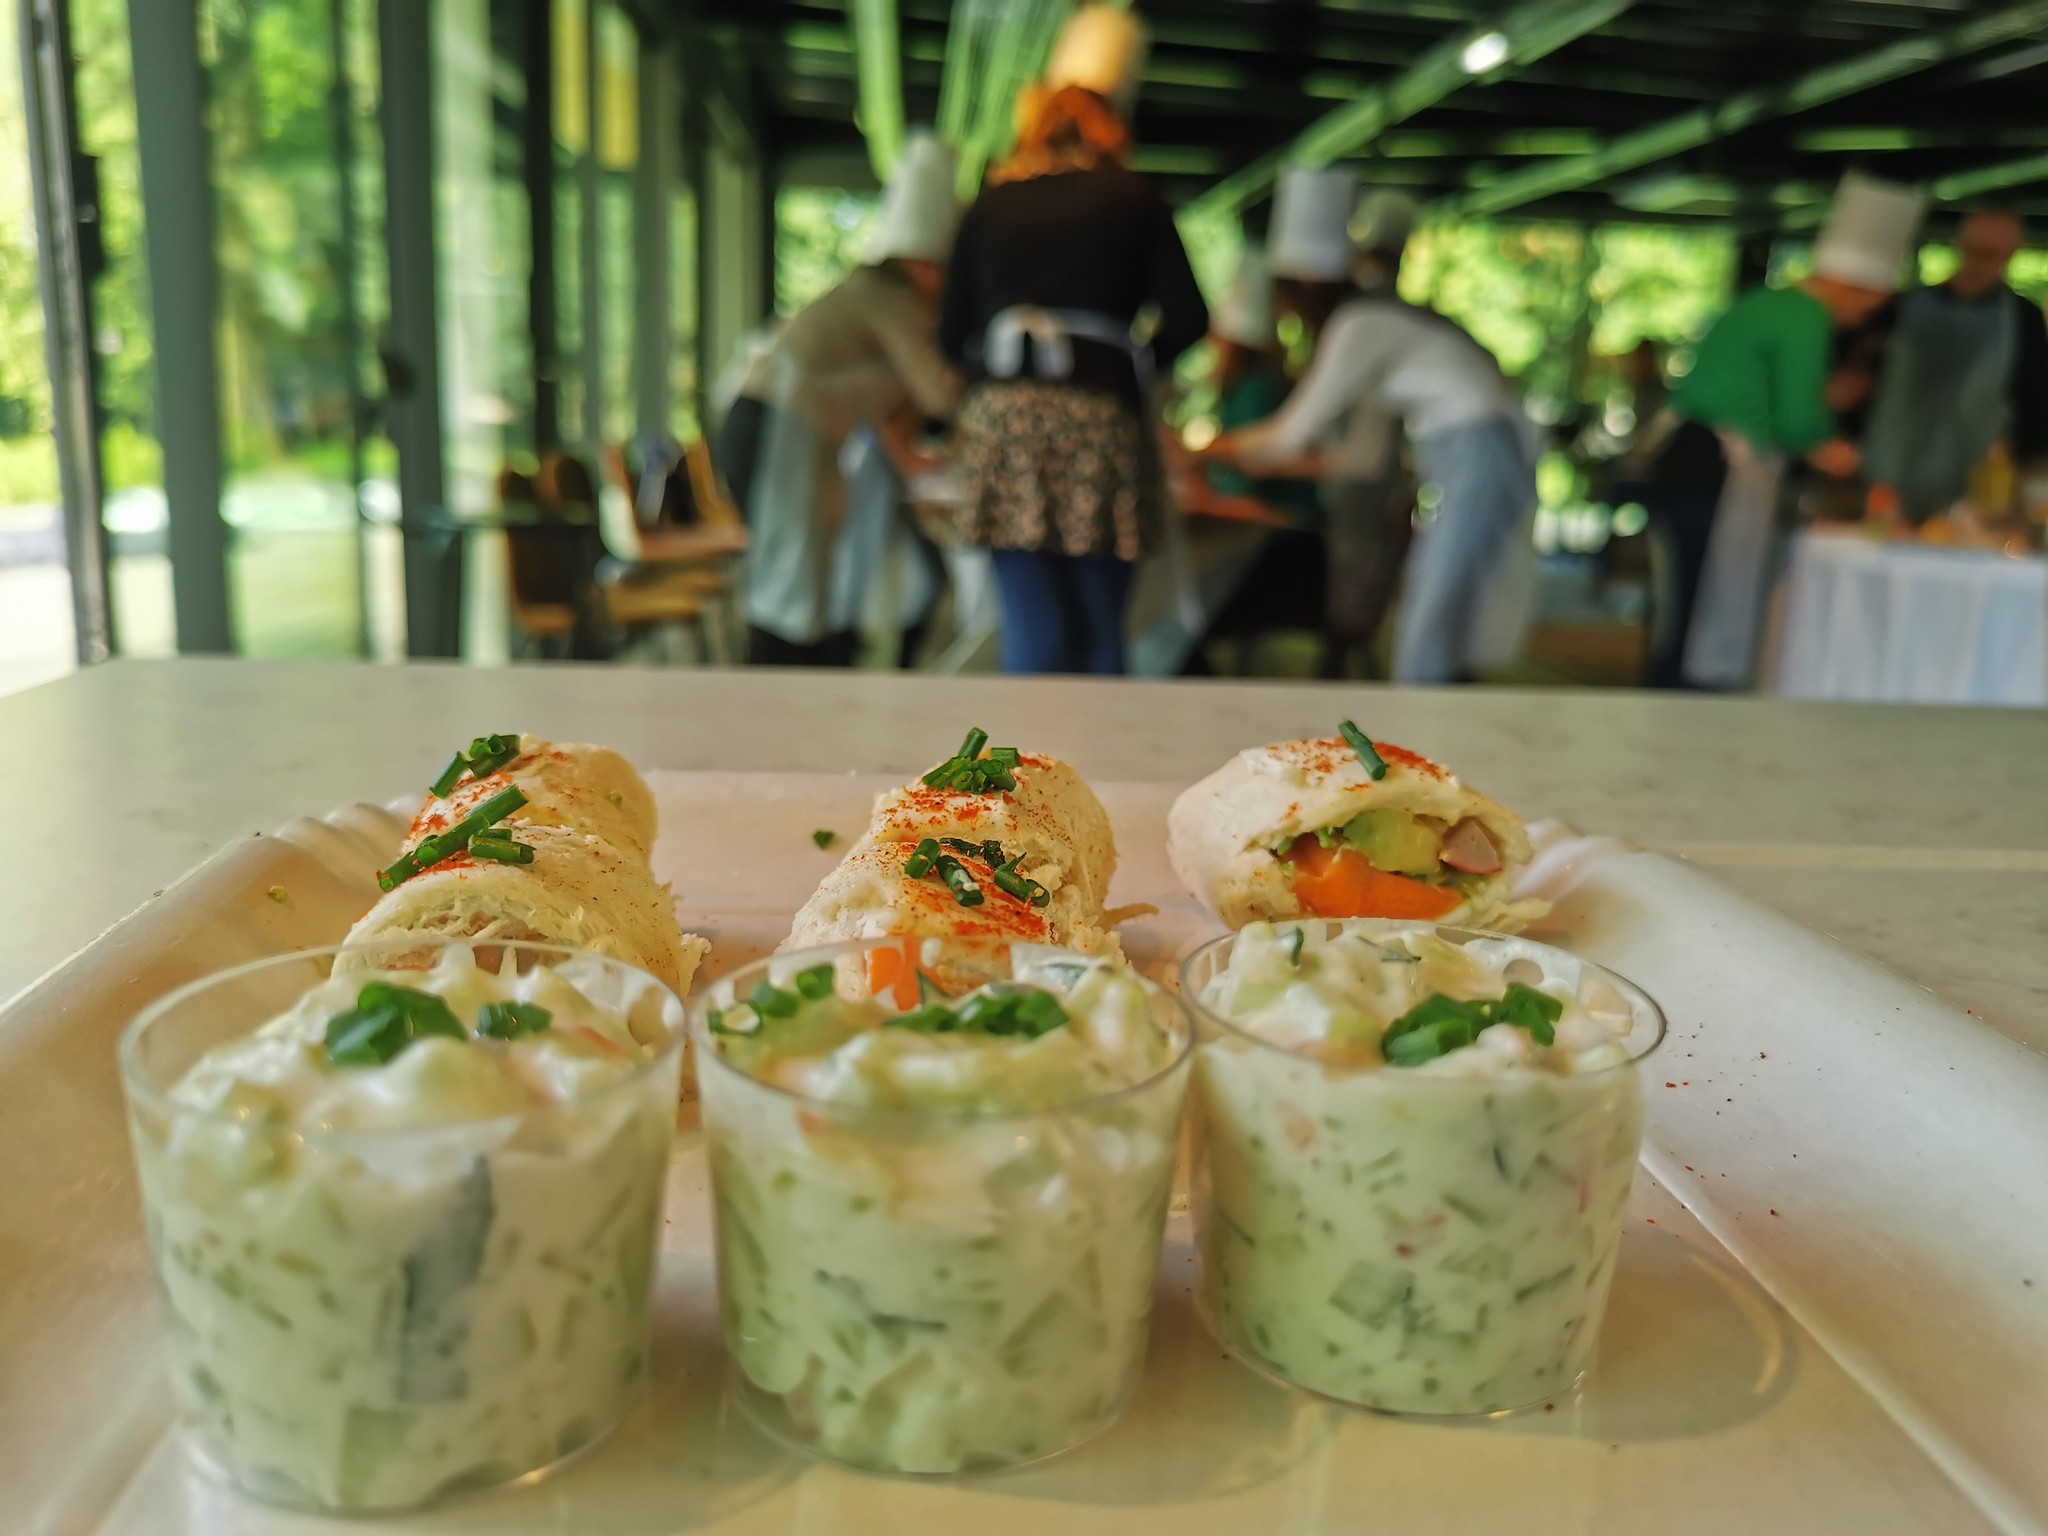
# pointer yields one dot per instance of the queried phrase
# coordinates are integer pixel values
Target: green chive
(1438, 1025)
(1007, 879)
(770, 1001)
(384, 1021)
(824, 837)
(971, 747)
(815, 982)
(931, 1019)
(500, 850)
(921, 859)
(442, 787)
(1041, 1012)
(508, 1021)
(432, 850)
(1359, 742)
(487, 754)
(958, 881)
(1295, 941)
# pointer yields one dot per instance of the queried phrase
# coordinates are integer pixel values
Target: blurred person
(1249, 374)
(863, 354)
(1967, 368)
(1758, 395)
(1056, 435)
(1377, 360)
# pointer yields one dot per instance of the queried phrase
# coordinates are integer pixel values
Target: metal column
(177, 210)
(653, 280)
(66, 191)
(412, 351)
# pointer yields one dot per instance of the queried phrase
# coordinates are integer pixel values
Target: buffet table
(139, 771)
(1913, 624)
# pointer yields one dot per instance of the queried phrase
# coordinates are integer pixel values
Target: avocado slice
(1394, 841)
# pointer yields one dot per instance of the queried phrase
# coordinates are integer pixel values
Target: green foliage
(818, 233)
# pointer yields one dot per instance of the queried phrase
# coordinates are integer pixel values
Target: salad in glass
(1413, 1149)
(405, 1220)
(939, 1206)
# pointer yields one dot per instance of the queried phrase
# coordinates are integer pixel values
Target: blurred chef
(864, 356)
(1758, 394)
(1967, 367)
(1056, 435)
(1378, 359)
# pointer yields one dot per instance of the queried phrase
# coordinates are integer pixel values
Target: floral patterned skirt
(1052, 468)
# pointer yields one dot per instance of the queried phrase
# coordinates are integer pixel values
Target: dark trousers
(834, 650)
(1063, 613)
(1681, 495)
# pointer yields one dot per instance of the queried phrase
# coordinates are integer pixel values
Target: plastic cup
(932, 1291)
(1401, 1240)
(373, 1321)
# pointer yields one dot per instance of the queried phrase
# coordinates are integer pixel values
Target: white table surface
(1912, 624)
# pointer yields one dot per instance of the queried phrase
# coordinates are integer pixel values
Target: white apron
(1728, 615)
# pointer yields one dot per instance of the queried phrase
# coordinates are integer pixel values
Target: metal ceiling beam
(1689, 130)
(878, 49)
(1961, 187)
(1532, 30)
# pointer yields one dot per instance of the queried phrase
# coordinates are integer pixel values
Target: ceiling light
(1489, 50)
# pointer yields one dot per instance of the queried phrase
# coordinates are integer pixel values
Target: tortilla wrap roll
(868, 896)
(579, 892)
(567, 784)
(1052, 817)
(1300, 829)
(1053, 845)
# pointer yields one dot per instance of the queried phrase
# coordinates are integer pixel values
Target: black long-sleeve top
(1100, 240)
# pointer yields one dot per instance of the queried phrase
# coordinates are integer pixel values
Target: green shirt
(1761, 372)
(1255, 395)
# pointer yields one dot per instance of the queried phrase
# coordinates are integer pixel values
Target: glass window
(36, 635)
(618, 146)
(818, 233)
(288, 331)
(131, 460)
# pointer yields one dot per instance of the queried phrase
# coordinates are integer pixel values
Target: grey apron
(1727, 617)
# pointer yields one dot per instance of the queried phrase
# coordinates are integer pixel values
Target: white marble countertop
(1914, 835)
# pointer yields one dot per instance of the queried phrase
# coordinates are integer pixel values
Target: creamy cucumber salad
(938, 1229)
(406, 1230)
(1412, 1159)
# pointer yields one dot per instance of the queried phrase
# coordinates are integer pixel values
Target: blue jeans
(1062, 613)
(1488, 483)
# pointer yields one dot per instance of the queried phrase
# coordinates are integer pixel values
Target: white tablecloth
(1906, 624)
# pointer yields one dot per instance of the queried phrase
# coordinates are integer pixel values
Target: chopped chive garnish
(1007, 879)
(1295, 940)
(508, 1021)
(815, 982)
(921, 859)
(432, 850)
(444, 786)
(1438, 1025)
(958, 881)
(384, 1021)
(824, 837)
(968, 770)
(1375, 765)
(1029, 1012)
(500, 850)
(486, 754)
(770, 1001)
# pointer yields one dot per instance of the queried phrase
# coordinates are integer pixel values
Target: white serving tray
(1867, 1360)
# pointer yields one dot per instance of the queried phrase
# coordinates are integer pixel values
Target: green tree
(818, 235)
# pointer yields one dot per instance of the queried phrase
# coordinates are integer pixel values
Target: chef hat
(919, 211)
(1101, 49)
(1246, 314)
(1386, 219)
(1310, 235)
(1869, 232)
